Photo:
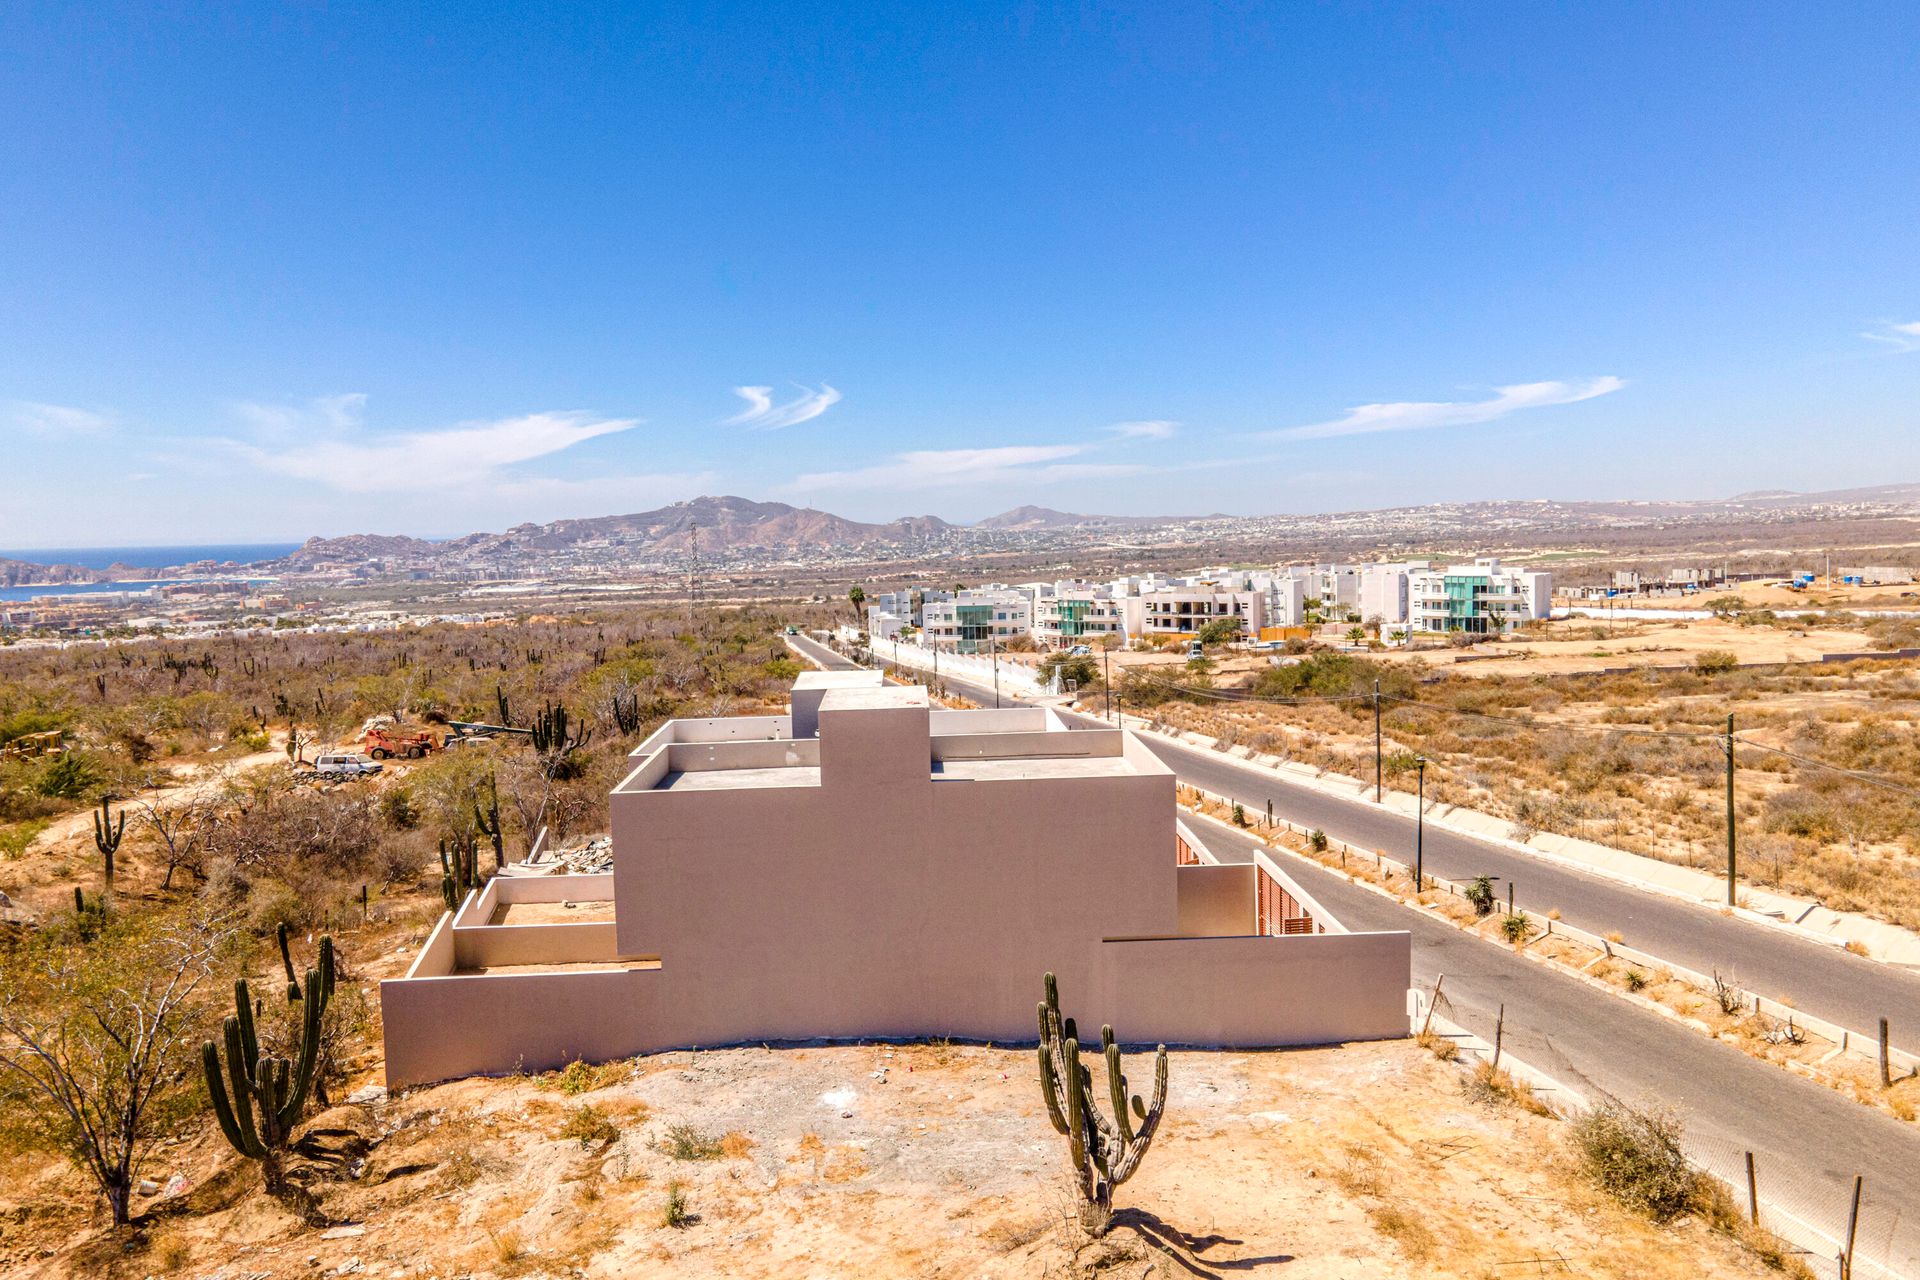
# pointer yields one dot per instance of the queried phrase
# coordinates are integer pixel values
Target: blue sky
(275, 270)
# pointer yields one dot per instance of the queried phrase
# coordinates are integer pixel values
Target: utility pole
(1106, 661)
(1376, 742)
(1420, 829)
(1730, 831)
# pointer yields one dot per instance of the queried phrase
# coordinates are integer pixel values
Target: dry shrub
(1490, 1085)
(170, 1251)
(1401, 1225)
(1634, 1156)
(590, 1127)
(674, 1210)
(735, 1145)
(1441, 1047)
(1358, 1173)
(687, 1142)
(579, 1077)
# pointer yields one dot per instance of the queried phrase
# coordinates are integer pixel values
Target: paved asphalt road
(1808, 1142)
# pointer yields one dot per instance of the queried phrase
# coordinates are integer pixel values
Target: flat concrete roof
(738, 779)
(1033, 767)
(875, 697)
(839, 680)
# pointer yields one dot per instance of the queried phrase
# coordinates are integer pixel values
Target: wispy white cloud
(762, 414)
(1151, 429)
(56, 419)
(326, 443)
(1422, 415)
(950, 468)
(1901, 337)
(327, 413)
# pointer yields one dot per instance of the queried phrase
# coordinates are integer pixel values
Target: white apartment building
(976, 620)
(1480, 598)
(1078, 613)
(1183, 610)
(1386, 593)
(884, 624)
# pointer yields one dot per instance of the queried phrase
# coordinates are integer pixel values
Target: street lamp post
(1420, 829)
(994, 650)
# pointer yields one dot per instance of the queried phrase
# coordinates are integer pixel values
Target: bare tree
(93, 1036)
(179, 830)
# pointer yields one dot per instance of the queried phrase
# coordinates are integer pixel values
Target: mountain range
(729, 527)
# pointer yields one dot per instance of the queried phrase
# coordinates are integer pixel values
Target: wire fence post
(1433, 1004)
(1499, 1033)
(1853, 1224)
(1886, 1069)
(1753, 1193)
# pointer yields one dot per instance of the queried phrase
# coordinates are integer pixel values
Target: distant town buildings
(1482, 597)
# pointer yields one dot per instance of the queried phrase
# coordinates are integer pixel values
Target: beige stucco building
(871, 867)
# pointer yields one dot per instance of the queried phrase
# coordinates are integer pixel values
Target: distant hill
(1032, 519)
(1883, 494)
(24, 573)
(720, 524)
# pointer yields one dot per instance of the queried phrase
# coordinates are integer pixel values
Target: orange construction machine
(383, 743)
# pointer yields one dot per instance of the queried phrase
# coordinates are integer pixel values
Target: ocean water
(103, 588)
(152, 557)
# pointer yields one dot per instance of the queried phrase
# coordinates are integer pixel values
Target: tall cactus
(259, 1099)
(107, 834)
(555, 734)
(487, 818)
(1102, 1153)
(286, 962)
(459, 870)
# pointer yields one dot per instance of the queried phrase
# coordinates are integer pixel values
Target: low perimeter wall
(1240, 992)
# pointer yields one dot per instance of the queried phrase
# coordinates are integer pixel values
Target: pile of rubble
(591, 858)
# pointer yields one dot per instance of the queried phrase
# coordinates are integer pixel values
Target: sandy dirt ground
(872, 1161)
(63, 855)
(1771, 595)
(1578, 647)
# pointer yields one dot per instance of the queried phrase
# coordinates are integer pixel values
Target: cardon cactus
(459, 870)
(259, 1099)
(107, 834)
(487, 818)
(1102, 1153)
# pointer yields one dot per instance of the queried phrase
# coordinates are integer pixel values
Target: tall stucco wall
(1315, 989)
(1216, 901)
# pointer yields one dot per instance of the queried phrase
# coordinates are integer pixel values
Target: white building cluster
(1483, 597)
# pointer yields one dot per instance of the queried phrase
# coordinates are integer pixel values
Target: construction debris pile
(594, 857)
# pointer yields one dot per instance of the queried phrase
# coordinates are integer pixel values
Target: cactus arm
(295, 1099)
(1116, 1088)
(243, 1091)
(286, 962)
(243, 1010)
(1050, 1089)
(217, 1095)
(326, 968)
(1076, 1109)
